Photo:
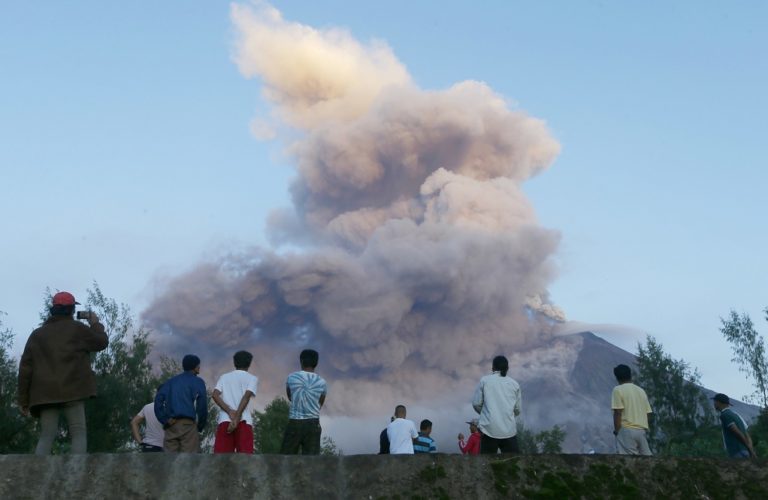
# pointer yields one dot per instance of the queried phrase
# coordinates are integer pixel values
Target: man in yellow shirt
(630, 414)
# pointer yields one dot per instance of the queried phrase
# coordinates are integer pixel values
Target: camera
(83, 314)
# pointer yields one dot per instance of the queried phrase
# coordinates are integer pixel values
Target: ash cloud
(417, 257)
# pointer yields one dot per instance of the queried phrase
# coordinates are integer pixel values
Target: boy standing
(306, 391)
(424, 443)
(234, 394)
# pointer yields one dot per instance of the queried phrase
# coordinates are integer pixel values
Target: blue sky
(125, 152)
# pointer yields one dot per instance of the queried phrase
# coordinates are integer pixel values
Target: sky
(127, 152)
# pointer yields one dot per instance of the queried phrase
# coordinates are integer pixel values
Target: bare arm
(135, 422)
(288, 392)
(322, 400)
(216, 396)
(616, 421)
(477, 399)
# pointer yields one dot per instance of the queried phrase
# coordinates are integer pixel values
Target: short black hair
(500, 364)
(399, 410)
(242, 360)
(190, 362)
(309, 358)
(622, 373)
(61, 310)
(425, 424)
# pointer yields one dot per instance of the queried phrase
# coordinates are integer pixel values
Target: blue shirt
(182, 396)
(424, 444)
(306, 389)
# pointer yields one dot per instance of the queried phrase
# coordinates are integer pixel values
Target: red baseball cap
(64, 299)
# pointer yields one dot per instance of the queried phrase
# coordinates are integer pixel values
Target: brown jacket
(56, 364)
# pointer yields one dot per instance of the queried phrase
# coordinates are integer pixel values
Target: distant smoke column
(419, 257)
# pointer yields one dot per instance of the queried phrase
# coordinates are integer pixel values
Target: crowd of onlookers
(55, 377)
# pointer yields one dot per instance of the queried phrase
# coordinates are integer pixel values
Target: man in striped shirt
(306, 391)
(424, 443)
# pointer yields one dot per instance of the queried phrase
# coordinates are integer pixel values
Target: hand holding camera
(89, 316)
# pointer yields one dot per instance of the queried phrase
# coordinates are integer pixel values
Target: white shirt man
(234, 394)
(153, 429)
(401, 433)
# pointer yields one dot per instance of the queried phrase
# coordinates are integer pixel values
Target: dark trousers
(302, 435)
(150, 448)
(489, 445)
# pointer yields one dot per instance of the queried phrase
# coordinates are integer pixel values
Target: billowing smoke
(416, 255)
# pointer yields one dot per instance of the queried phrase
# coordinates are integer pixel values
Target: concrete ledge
(368, 477)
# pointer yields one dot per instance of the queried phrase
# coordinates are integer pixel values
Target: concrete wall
(368, 477)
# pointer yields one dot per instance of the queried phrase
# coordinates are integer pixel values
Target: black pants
(489, 445)
(150, 448)
(302, 435)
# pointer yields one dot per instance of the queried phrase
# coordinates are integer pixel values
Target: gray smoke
(417, 257)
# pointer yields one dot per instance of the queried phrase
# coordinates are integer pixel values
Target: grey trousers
(74, 412)
(632, 442)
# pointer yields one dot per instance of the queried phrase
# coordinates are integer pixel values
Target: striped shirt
(424, 444)
(306, 389)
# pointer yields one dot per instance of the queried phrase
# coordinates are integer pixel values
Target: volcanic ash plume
(418, 257)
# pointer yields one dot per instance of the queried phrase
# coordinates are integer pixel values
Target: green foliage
(328, 447)
(682, 416)
(749, 352)
(547, 441)
(269, 426)
(16, 431)
(124, 378)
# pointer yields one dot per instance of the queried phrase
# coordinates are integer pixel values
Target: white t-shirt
(153, 429)
(401, 433)
(232, 386)
(497, 399)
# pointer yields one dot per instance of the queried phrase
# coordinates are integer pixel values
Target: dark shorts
(489, 445)
(302, 436)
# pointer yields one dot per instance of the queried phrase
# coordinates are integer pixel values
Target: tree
(546, 441)
(328, 447)
(749, 352)
(270, 425)
(682, 416)
(17, 433)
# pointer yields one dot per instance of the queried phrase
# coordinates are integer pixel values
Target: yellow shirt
(633, 403)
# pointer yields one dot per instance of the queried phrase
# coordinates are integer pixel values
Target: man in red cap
(55, 373)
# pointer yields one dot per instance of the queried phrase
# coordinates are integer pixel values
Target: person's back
(500, 403)
(401, 433)
(630, 414)
(736, 438)
(234, 394)
(60, 351)
(306, 391)
(153, 429)
(55, 375)
(181, 406)
(424, 444)
(634, 401)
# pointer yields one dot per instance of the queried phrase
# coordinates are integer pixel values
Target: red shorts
(238, 441)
